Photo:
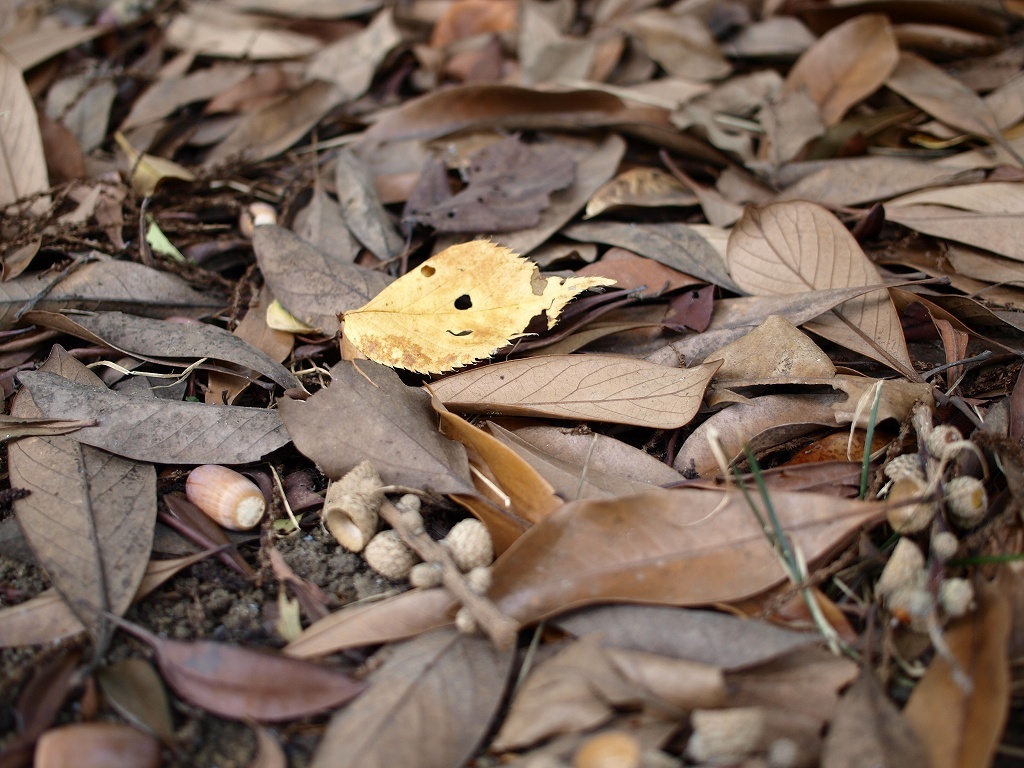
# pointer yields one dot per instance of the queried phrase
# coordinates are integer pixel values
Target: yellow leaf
(458, 307)
(149, 170)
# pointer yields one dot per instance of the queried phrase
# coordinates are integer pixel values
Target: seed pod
(465, 624)
(966, 501)
(956, 596)
(97, 745)
(470, 544)
(388, 555)
(425, 575)
(231, 499)
(911, 515)
(904, 465)
(479, 579)
(941, 439)
(944, 546)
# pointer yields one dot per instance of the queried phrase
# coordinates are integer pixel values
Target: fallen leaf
(380, 420)
(313, 285)
(681, 43)
(994, 232)
(400, 617)
(962, 726)
(364, 213)
(679, 547)
(14, 427)
(642, 187)
(269, 752)
(429, 705)
(992, 197)
(869, 731)
(45, 618)
(166, 95)
(588, 387)
(235, 36)
(772, 251)
(89, 517)
(147, 171)
(157, 339)
(23, 163)
(246, 684)
(134, 690)
(457, 307)
(351, 62)
(509, 184)
(847, 64)
(161, 431)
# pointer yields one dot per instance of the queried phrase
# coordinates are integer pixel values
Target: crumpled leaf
(793, 247)
(609, 388)
(509, 184)
(161, 431)
(457, 307)
(429, 705)
(643, 187)
(369, 414)
(678, 547)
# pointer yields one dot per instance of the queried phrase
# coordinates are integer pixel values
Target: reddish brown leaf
(681, 547)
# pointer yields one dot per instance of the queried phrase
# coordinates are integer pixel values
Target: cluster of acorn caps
(917, 482)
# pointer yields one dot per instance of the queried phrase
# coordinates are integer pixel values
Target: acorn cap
(470, 544)
(351, 517)
(388, 555)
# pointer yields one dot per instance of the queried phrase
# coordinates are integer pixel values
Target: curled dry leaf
(457, 307)
(679, 547)
(793, 247)
(620, 390)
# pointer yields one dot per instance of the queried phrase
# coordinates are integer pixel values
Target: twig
(501, 630)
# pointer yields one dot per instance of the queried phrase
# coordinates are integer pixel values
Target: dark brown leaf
(134, 689)
(364, 213)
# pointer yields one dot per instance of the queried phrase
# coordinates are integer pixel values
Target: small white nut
(388, 555)
(470, 544)
(228, 497)
(904, 569)
(409, 508)
(912, 512)
(956, 596)
(425, 575)
(944, 546)
(479, 579)
(464, 622)
(912, 605)
(942, 439)
(966, 501)
(904, 465)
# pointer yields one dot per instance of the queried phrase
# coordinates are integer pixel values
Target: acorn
(966, 501)
(96, 745)
(231, 499)
(609, 749)
(469, 544)
(915, 513)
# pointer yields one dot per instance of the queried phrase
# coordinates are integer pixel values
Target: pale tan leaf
(791, 247)
(996, 232)
(848, 63)
(589, 387)
(352, 61)
(22, 162)
(997, 197)
(456, 307)
(641, 187)
(235, 36)
(680, 43)
(961, 725)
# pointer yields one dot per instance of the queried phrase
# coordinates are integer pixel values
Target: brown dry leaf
(364, 214)
(246, 684)
(962, 727)
(457, 307)
(681, 43)
(368, 413)
(213, 31)
(429, 705)
(588, 387)
(270, 130)
(868, 731)
(313, 285)
(581, 466)
(90, 516)
(311, 9)
(546, 54)
(269, 752)
(351, 62)
(680, 684)
(400, 617)
(467, 18)
(29, 48)
(45, 618)
(793, 247)
(576, 689)
(945, 98)
(776, 349)
(527, 494)
(147, 171)
(22, 163)
(461, 108)
(999, 233)
(679, 547)
(322, 225)
(707, 637)
(991, 197)
(790, 121)
(162, 431)
(167, 95)
(675, 245)
(134, 690)
(638, 274)
(847, 64)
(151, 339)
(641, 187)
(858, 180)
(14, 427)
(509, 184)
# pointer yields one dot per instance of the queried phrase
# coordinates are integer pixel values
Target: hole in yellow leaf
(460, 333)
(464, 302)
(427, 271)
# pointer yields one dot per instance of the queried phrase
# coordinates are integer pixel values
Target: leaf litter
(660, 417)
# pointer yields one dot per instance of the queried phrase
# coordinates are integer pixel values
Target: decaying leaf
(148, 171)
(642, 187)
(22, 162)
(457, 307)
(589, 387)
